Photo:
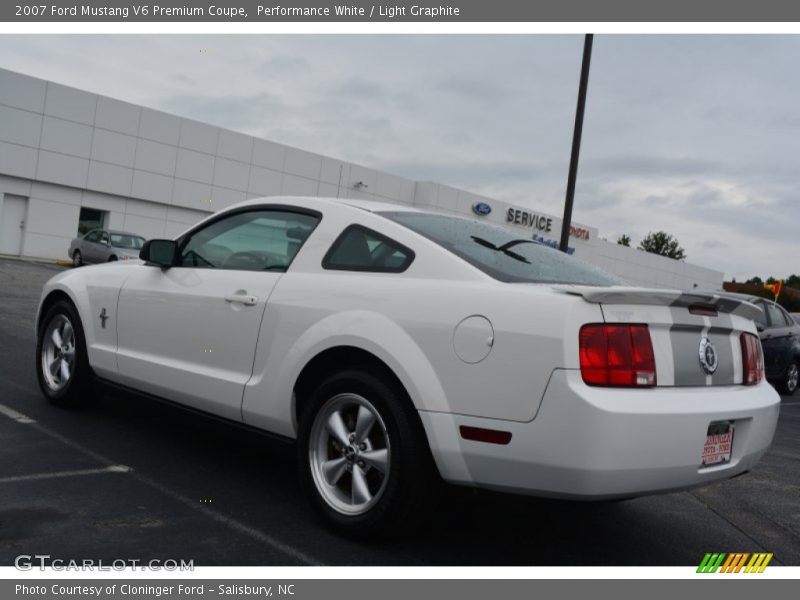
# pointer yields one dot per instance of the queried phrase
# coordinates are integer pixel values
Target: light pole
(576, 142)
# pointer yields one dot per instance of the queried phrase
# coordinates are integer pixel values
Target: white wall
(645, 269)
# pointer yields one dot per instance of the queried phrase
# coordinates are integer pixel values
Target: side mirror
(159, 253)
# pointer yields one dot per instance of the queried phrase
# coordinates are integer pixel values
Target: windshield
(126, 240)
(500, 253)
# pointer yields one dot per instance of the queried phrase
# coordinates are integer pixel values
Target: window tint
(498, 253)
(762, 318)
(786, 317)
(261, 240)
(361, 249)
(775, 316)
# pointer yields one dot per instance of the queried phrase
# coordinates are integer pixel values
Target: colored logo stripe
(758, 563)
(734, 562)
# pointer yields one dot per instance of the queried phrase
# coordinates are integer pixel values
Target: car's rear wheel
(363, 457)
(77, 259)
(112, 258)
(791, 379)
(62, 365)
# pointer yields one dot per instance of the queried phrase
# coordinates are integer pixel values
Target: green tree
(664, 244)
(624, 240)
(755, 280)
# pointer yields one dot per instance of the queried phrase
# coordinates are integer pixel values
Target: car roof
(118, 232)
(377, 206)
(318, 202)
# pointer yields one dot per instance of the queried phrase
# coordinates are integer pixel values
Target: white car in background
(401, 347)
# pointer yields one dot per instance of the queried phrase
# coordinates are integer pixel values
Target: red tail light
(617, 355)
(752, 359)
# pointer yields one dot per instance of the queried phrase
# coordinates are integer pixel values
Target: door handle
(245, 299)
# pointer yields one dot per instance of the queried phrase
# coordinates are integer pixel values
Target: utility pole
(576, 142)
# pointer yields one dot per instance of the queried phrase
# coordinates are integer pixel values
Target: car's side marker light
(490, 436)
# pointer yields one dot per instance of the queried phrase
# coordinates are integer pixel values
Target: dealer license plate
(719, 442)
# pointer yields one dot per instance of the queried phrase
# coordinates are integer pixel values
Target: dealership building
(71, 160)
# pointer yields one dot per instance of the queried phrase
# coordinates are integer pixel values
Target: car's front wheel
(791, 379)
(77, 259)
(62, 365)
(363, 456)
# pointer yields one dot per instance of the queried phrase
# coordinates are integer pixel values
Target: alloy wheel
(792, 378)
(349, 453)
(58, 353)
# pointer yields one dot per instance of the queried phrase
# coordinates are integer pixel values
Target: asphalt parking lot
(129, 478)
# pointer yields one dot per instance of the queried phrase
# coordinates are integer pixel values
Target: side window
(775, 316)
(93, 236)
(104, 237)
(762, 318)
(258, 240)
(361, 249)
(788, 320)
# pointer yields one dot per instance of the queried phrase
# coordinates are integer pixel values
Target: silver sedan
(102, 245)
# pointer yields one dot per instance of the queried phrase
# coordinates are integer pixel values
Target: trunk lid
(695, 335)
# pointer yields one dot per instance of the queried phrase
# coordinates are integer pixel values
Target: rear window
(125, 240)
(500, 254)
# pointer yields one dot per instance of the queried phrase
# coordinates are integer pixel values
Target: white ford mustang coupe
(401, 347)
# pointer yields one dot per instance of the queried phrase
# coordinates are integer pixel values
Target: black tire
(78, 389)
(77, 258)
(412, 482)
(787, 386)
(112, 258)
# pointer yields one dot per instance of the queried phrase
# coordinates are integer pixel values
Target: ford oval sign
(481, 208)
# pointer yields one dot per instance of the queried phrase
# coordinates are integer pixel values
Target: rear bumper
(595, 443)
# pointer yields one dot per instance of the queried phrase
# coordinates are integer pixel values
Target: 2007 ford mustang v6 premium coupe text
(401, 347)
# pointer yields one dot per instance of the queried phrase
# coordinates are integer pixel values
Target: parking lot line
(238, 526)
(16, 416)
(76, 473)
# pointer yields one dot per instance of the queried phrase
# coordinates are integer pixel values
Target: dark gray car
(780, 340)
(103, 245)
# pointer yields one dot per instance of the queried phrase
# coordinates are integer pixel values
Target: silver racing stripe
(704, 334)
(685, 334)
(720, 337)
(685, 342)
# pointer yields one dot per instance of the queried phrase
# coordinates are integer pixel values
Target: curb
(41, 261)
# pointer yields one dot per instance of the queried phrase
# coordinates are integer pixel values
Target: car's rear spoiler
(721, 301)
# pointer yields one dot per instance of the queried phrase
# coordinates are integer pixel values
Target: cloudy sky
(696, 135)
